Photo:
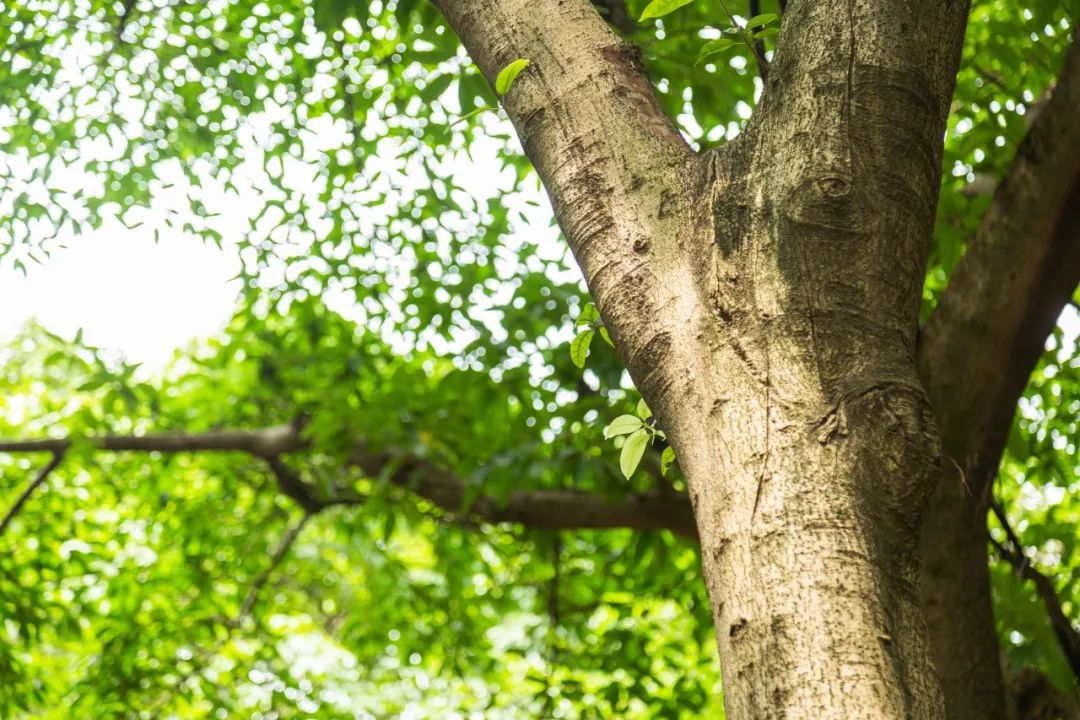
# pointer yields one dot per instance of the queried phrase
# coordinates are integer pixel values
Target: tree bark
(764, 298)
(977, 353)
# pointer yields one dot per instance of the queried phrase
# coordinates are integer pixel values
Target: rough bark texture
(976, 355)
(764, 298)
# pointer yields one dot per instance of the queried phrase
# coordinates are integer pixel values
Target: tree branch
(614, 165)
(57, 458)
(1068, 637)
(287, 541)
(545, 509)
(1020, 269)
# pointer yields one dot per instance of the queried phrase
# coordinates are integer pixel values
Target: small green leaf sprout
(640, 431)
(589, 321)
(508, 74)
(503, 81)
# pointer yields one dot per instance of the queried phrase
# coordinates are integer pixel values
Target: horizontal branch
(546, 509)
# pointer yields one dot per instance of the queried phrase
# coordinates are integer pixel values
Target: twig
(287, 541)
(1003, 520)
(1068, 637)
(57, 457)
(762, 63)
(290, 483)
(231, 624)
(991, 77)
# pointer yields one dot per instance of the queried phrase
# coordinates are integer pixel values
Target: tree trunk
(764, 297)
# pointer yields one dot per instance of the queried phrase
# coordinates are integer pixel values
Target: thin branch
(287, 541)
(991, 77)
(290, 484)
(43, 474)
(540, 508)
(1003, 520)
(125, 15)
(233, 623)
(759, 57)
(1067, 635)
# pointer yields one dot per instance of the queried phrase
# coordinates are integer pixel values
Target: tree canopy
(385, 488)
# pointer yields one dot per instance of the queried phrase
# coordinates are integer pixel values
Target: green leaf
(761, 20)
(632, 450)
(766, 33)
(508, 74)
(604, 334)
(715, 46)
(643, 410)
(589, 314)
(659, 8)
(666, 459)
(579, 348)
(623, 425)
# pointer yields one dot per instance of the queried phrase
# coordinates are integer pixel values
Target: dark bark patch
(738, 628)
(653, 353)
(667, 204)
(717, 550)
(833, 186)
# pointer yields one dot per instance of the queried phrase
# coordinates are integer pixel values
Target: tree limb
(1020, 269)
(1067, 636)
(57, 458)
(613, 164)
(545, 509)
(975, 356)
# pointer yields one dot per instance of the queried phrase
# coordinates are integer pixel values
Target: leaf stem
(763, 64)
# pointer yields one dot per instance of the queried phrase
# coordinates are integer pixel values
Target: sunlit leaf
(508, 74)
(623, 425)
(632, 450)
(579, 347)
(660, 8)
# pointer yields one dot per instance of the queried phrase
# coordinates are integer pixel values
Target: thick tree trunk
(764, 298)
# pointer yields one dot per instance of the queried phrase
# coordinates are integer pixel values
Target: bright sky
(144, 299)
(127, 293)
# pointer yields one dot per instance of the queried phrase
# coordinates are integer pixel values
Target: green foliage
(589, 319)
